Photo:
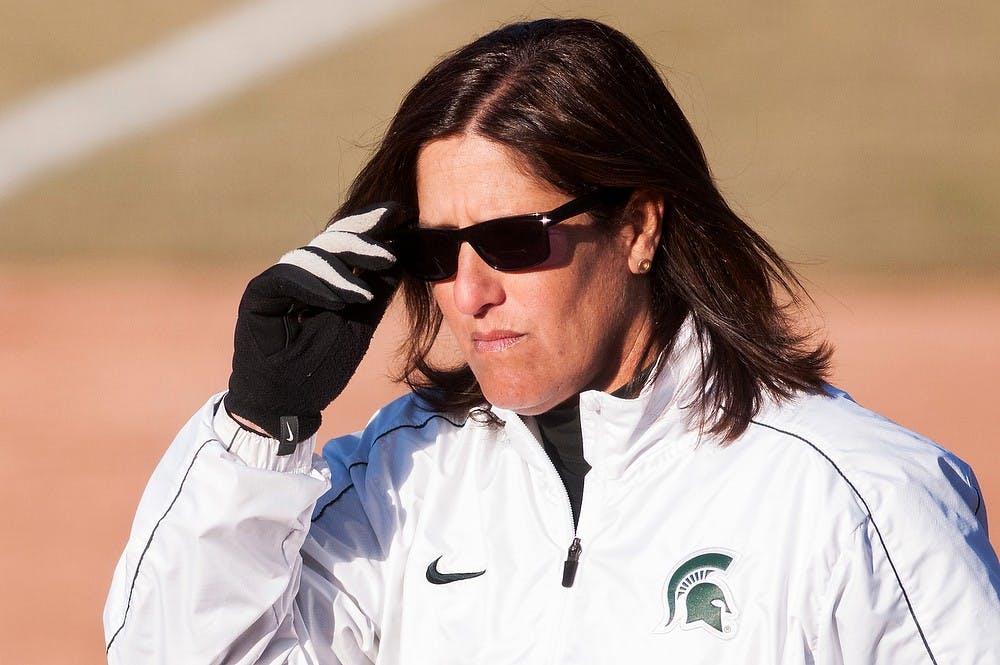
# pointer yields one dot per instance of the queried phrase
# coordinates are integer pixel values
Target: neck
(639, 352)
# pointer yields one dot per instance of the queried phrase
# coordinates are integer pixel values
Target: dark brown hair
(585, 108)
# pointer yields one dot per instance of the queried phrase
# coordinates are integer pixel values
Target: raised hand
(305, 323)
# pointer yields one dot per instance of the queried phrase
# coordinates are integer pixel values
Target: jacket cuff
(260, 451)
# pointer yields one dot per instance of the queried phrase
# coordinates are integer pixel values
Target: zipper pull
(571, 563)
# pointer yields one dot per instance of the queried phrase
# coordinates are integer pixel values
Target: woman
(637, 459)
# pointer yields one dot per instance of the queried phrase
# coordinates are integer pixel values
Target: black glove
(305, 323)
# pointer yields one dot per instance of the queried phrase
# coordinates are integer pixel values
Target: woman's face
(537, 337)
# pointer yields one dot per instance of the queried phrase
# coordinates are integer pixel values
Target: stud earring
(644, 266)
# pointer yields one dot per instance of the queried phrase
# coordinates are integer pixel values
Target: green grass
(859, 140)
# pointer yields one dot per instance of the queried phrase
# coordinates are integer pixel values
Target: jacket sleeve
(918, 584)
(213, 570)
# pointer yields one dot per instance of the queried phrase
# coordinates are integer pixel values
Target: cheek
(606, 303)
(580, 310)
(443, 299)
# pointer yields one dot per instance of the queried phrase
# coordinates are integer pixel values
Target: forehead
(467, 178)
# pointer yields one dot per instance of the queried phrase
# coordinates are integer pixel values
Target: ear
(644, 219)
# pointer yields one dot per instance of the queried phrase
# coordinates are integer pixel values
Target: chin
(504, 394)
(524, 400)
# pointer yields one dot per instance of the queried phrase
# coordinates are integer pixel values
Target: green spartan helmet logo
(697, 596)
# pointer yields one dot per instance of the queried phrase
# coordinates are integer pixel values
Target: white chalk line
(190, 70)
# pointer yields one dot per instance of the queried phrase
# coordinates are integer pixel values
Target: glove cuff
(290, 430)
(257, 450)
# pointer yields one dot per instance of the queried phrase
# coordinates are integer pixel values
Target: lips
(495, 340)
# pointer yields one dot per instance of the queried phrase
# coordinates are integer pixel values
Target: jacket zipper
(572, 563)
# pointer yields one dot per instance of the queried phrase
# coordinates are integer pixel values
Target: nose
(477, 287)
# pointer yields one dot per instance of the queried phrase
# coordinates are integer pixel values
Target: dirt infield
(102, 367)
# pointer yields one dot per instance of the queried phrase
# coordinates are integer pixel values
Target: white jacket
(825, 534)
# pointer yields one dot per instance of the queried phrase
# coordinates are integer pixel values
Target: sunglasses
(507, 244)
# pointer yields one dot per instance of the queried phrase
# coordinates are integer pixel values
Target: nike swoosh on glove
(305, 323)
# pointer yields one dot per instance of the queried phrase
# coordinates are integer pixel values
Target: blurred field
(863, 141)
(109, 363)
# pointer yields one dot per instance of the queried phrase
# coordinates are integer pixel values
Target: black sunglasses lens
(511, 244)
(428, 254)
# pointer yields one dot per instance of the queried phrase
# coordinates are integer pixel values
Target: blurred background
(155, 156)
